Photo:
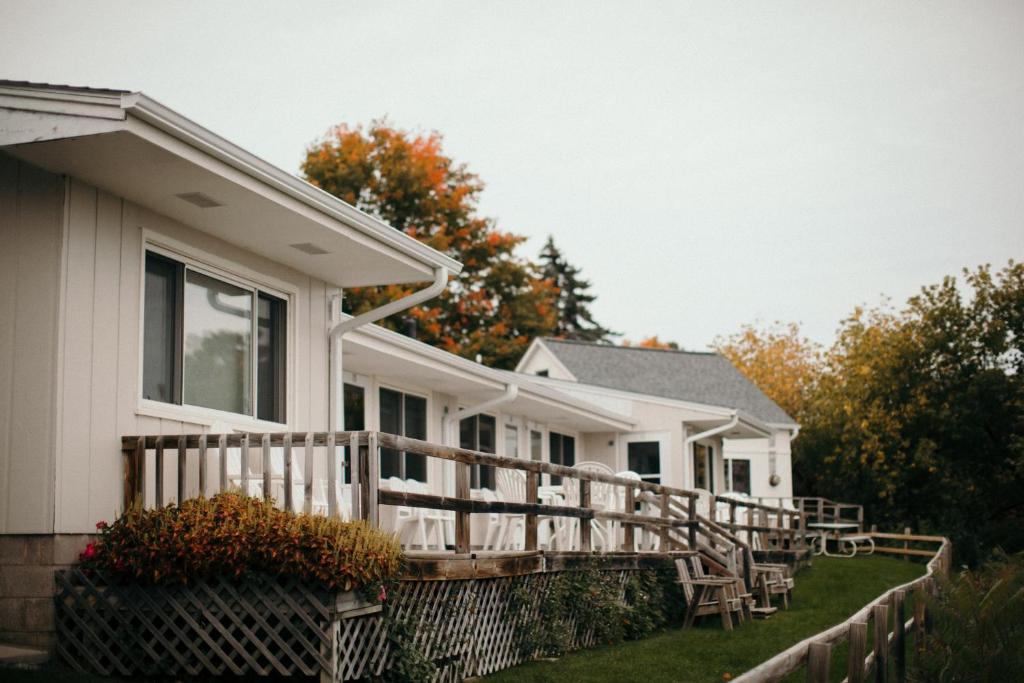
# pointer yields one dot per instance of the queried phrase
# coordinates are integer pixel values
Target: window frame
(234, 274)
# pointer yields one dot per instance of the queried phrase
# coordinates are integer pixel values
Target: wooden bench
(708, 595)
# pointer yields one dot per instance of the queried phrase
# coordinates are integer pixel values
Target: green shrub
(231, 534)
(977, 625)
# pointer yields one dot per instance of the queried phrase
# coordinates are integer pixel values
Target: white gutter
(340, 328)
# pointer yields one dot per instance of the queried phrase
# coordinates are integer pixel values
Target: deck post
(244, 460)
(222, 465)
(628, 530)
(332, 475)
(371, 512)
(307, 474)
(462, 519)
(819, 657)
(158, 473)
(663, 534)
(899, 636)
(286, 445)
(530, 533)
(203, 465)
(585, 522)
(182, 469)
(134, 462)
(268, 466)
(881, 615)
(691, 537)
(858, 644)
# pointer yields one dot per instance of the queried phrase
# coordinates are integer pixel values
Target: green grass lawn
(824, 595)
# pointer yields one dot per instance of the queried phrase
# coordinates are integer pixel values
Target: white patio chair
(602, 497)
(432, 521)
(408, 524)
(620, 504)
(511, 486)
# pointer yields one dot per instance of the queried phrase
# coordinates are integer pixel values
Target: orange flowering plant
(232, 534)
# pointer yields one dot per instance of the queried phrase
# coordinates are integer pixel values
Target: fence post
(268, 467)
(920, 607)
(530, 532)
(628, 530)
(881, 614)
(906, 544)
(819, 657)
(202, 465)
(158, 473)
(899, 636)
(858, 645)
(289, 472)
(585, 525)
(462, 519)
(134, 464)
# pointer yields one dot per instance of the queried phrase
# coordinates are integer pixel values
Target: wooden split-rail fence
(885, 618)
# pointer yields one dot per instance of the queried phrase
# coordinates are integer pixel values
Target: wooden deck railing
(778, 526)
(815, 653)
(366, 495)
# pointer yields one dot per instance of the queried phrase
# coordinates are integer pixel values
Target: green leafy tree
(499, 302)
(919, 413)
(575, 321)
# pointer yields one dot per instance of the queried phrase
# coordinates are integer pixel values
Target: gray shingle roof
(693, 376)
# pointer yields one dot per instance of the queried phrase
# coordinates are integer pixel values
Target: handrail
(791, 659)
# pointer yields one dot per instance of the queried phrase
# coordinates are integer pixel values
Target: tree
(652, 342)
(499, 302)
(919, 413)
(782, 362)
(575, 321)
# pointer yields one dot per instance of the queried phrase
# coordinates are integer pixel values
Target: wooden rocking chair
(707, 595)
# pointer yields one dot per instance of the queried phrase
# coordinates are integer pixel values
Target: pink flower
(383, 595)
(88, 553)
(101, 525)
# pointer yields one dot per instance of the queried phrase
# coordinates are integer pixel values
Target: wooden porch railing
(366, 494)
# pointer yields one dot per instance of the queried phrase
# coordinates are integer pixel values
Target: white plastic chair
(511, 488)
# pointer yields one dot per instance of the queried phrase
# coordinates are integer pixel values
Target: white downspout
(340, 327)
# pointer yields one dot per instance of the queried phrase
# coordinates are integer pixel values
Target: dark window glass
(415, 428)
(542, 373)
(478, 433)
(161, 353)
(703, 467)
(740, 474)
(270, 369)
(355, 420)
(403, 415)
(390, 423)
(645, 459)
(562, 451)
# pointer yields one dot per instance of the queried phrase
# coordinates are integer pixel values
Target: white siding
(100, 362)
(31, 203)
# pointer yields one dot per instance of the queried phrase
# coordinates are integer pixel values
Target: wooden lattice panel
(262, 625)
(273, 626)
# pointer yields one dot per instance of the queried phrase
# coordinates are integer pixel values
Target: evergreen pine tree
(575, 321)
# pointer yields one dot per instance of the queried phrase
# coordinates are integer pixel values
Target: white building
(698, 422)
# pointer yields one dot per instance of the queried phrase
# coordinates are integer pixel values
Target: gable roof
(695, 376)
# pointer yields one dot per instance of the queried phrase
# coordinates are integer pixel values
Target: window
(703, 467)
(511, 441)
(212, 343)
(739, 476)
(477, 433)
(645, 459)
(536, 445)
(355, 419)
(403, 415)
(562, 451)
(542, 373)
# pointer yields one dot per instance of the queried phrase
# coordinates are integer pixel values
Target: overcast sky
(705, 165)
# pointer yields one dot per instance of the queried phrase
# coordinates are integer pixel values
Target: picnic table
(854, 540)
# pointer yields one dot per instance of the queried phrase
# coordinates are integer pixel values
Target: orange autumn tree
(778, 359)
(652, 342)
(499, 302)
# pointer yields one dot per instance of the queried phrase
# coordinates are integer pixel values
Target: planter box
(257, 625)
